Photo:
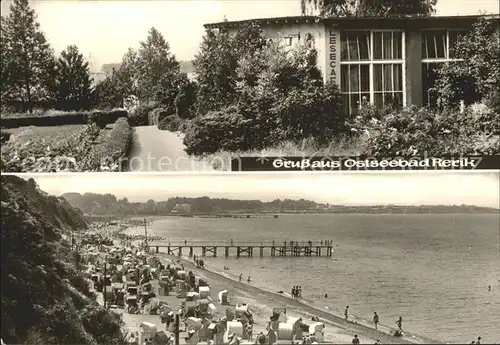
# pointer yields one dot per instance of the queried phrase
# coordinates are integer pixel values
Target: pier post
(226, 253)
(238, 249)
(250, 251)
(261, 251)
(157, 249)
(203, 251)
(180, 250)
(215, 252)
(190, 251)
(273, 251)
(168, 250)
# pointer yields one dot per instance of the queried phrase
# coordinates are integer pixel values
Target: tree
(156, 65)
(127, 73)
(120, 84)
(477, 76)
(377, 8)
(216, 64)
(28, 62)
(73, 84)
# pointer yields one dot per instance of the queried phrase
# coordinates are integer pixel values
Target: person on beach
(489, 287)
(375, 319)
(249, 330)
(399, 323)
(326, 295)
(299, 292)
(185, 242)
(478, 340)
(248, 280)
(346, 313)
(355, 340)
(261, 338)
(241, 277)
(294, 292)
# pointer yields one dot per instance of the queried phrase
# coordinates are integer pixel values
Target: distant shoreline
(270, 214)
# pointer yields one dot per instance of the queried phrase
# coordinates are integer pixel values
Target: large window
(371, 68)
(437, 48)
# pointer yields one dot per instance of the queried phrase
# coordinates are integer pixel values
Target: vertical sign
(333, 55)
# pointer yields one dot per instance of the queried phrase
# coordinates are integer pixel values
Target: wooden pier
(247, 249)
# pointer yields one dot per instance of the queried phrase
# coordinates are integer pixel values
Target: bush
(4, 136)
(115, 145)
(140, 116)
(478, 75)
(60, 118)
(422, 132)
(313, 112)
(170, 123)
(218, 130)
(104, 118)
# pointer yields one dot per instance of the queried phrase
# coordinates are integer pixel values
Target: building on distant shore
(182, 208)
(381, 60)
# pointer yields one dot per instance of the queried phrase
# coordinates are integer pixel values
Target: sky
(430, 188)
(104, 30)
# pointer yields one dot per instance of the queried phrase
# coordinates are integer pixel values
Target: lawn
(65, 148)
(52, 136)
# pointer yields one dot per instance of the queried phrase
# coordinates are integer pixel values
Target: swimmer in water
(489, 287)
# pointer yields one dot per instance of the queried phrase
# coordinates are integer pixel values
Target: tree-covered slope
(44, 297)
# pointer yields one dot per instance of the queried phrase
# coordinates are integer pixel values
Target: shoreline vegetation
(93, 204)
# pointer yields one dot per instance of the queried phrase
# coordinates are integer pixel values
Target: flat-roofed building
(381, 60)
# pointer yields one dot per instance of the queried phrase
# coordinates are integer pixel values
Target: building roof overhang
(420, 22)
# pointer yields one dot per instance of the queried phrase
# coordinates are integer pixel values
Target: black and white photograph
(385, 258)
(151, 86)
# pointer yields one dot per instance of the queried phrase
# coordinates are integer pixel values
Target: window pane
(345, 102)
(387, 77)
(379, 100)
(377, 77)
(434, 45)
(387, 45)
(365, 98)
(355, 45)
(429, 77)
(397, 45)
(355, 99)
(377, 45)
(364, 45)
(344, 78)
(352, 46)
(354, 78)
(397, 99)
(398, 77)
(343, 47)
(365, 78)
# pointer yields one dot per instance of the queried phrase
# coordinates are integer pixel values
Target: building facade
(381, 61)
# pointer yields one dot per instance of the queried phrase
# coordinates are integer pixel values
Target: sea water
(433, 270)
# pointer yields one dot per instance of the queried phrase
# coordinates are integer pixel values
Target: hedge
(140, 116)
(101, 118)
(111, 153)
